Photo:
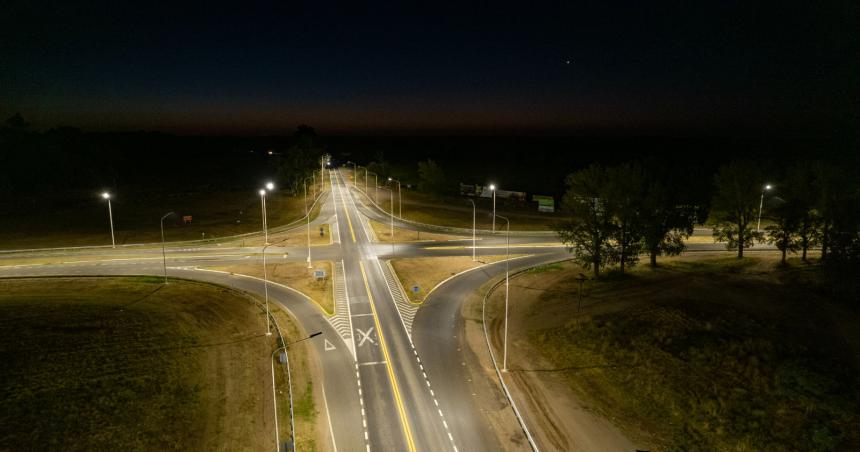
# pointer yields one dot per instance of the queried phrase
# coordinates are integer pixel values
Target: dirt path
(556, 417)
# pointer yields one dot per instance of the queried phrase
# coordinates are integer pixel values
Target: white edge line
(328, 417)
(499, 373)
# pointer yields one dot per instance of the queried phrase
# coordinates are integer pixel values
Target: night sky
(555, 67)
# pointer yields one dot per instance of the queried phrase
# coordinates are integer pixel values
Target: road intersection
(393, 372)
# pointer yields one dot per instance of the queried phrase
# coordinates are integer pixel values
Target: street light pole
(375, 188)
(106, 195)
(507, 286)
(269, 186)
(163, 254)
(473, 229)
(266, 291)
(760, 205)
(493, 189)
(289, 391)
(399, 199)
(308, 217)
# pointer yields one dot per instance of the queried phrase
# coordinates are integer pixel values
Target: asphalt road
(393, 374)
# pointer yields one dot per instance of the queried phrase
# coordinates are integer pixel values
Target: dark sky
(256, 69)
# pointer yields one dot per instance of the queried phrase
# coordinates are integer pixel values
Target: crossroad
(393, 374)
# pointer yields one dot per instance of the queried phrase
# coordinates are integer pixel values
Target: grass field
(427, 272)
(137, 219)
(700, 354)
(296, 275)
(383, 234)
(128, 364)
(457, 212)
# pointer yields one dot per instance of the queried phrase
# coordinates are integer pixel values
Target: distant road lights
(766, 187)
(270, 186)
(106, 195)
(493, 189)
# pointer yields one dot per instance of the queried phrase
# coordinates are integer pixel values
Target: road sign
(545, 203)
(416, 289)
(328, 345)
(319, 273)
(322, 232)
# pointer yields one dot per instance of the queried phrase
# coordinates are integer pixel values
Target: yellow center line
(403, 420)
(348, 219)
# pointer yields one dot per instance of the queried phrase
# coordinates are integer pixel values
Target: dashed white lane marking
(363, 414)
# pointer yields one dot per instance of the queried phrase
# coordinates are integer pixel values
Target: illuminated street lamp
(493, 189)
(106, 195)
(507, 285)
(163, 254)
(270, 186)
(399, 199)
(760, 204)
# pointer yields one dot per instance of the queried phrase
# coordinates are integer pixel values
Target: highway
(394, 376)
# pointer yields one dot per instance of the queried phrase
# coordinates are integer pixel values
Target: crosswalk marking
(341, 320)
(407, 310)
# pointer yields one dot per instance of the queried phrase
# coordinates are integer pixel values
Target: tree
(736, 205)
(432, 177)
(623, 192)
(784, 232)
(16, 121)
(803, 190)
(589, 229)
(839, 208)
(306, 137)
(666, 222)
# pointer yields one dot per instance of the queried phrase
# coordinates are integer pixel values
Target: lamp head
(768, 187)
(389, 179)
(270, 186)
(106, 195)
(262, 192)
(493, 187)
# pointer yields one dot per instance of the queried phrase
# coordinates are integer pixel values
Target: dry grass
(216, 214)
(700, 354)
(295, 237)
(383, 234)
(457, 212)
(307, 396)
(296, 275)
(427, 272)
(129, 364)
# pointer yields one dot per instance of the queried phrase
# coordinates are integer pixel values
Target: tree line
(617, 213)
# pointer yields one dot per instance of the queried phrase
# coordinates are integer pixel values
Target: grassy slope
(122, 363)
(217, 214)
(709, 355)
(296, 275)
(383, 234)
(457, 212)
(427, 272)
